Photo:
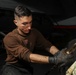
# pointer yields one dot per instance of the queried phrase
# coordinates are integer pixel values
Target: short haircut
(22, 11)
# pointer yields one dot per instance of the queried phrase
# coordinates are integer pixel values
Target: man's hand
(65, 56)
(60, 57)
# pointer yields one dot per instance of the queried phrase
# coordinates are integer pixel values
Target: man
(21, 42)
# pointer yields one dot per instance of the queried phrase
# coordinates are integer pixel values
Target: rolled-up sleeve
(15, 49)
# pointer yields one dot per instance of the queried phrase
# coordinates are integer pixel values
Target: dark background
(46, 15)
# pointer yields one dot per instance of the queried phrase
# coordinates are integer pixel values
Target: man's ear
(16, 23)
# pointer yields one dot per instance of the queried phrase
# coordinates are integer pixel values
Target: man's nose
(29, 27)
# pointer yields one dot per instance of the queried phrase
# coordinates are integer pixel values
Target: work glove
(61, 57)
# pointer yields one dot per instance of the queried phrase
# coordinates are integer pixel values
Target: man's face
(24, 23)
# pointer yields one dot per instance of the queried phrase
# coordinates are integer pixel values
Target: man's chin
(26, 32)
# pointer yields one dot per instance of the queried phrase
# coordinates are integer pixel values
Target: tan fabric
(20, 46)
(72, 69)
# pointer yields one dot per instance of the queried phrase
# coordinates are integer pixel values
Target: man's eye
(24, 23)
(30, 22)
(27, 23)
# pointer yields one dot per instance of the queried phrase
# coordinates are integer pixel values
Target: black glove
(60, 57)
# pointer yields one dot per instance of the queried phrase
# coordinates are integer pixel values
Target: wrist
(52, 60)
(57, 53)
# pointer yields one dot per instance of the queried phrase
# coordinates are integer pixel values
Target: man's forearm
(53, 50)
(36, 58)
